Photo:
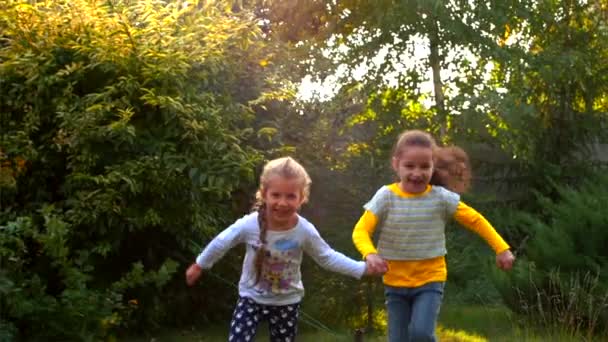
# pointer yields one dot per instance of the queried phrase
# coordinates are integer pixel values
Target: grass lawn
(457, 324)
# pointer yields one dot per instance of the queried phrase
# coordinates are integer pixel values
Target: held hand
(193, 273)
(375, 265)
(505, 260)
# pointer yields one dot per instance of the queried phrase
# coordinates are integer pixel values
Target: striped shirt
(415, 273)
(412, 227)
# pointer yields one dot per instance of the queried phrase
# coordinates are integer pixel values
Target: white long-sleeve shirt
(280, 281)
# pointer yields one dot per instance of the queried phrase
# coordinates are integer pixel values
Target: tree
(554, 110)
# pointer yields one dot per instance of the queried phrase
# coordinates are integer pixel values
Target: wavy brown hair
(452, 169)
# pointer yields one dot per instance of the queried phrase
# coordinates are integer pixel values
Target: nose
(282, 200)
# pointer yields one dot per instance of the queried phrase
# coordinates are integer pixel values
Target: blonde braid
(261, 252)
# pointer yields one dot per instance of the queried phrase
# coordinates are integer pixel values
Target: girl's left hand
(505, 260)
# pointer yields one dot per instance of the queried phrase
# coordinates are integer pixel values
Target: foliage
(553, 112)
(521, 77)
(563, 280)
(122, 124)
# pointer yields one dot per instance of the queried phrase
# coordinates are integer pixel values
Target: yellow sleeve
(362, 234)
(474, 221)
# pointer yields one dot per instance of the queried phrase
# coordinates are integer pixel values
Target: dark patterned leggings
(282, 321)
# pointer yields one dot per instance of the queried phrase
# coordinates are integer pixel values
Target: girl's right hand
(375, 264)
(193, 273)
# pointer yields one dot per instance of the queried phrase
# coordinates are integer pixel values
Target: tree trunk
(435, 61)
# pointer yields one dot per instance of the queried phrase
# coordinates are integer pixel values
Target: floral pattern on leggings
(282, 321)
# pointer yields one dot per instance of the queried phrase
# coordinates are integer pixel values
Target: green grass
(456, 324)
(496, 323)
(482, 321)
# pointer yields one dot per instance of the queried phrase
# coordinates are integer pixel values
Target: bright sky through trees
(325, 89)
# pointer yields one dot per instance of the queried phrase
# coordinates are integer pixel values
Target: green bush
(122, 124)
(562, 278)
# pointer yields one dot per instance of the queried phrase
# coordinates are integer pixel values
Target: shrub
(122, 124)
(562, 281)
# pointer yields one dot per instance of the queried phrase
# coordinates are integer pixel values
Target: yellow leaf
(505, 36)
(507, 32)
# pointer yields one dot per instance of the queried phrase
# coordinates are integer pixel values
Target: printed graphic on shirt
(279, 269)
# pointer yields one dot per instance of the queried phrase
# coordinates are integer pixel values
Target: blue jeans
(413, 311)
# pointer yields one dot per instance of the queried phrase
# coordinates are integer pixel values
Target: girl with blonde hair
(276, 237)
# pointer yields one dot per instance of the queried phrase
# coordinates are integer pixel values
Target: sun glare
(416, 57)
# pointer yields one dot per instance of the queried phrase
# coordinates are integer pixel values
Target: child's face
(283, 198)
(414, 166)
